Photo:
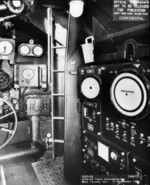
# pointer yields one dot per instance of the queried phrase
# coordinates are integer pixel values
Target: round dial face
(24, 50)
(38, 50)
(90, 88)
(28, 74)
(5, 47)
(128, 94)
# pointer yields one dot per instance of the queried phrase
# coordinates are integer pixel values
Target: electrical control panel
(38, 105)
(125, 106)
(30, 76)
(103, 158)
(91, 117)
(90, 96)
(115, 121)
(139, 168)
(129, 134)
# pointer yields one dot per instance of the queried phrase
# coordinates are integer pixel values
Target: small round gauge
(28, 74)
(5, 47)
(38, 50)
(90, 88)
(24, 49)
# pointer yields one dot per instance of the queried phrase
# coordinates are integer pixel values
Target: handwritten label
(131, 10)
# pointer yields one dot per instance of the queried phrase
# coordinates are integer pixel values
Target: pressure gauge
(5, 47)
(38, 50)
(24, 49)
(28, 74)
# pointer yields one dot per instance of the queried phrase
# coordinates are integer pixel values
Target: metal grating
(50, 172)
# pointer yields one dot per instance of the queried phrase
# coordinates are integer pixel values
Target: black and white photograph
(74, 92)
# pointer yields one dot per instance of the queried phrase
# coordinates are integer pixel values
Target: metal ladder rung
(58, 141)
(58, 71)
(58, 47)
(58, 94)
(58, 118)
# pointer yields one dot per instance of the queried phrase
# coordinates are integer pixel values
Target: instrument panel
(125, 106)
(115, 121)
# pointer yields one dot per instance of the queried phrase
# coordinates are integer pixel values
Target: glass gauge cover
(90, 88)
(128, 94)
(24, 50)
(5, 47)
(28, 74)
(38, 50)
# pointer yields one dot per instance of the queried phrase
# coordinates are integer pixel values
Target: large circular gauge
(24, 49)
(38, 50)
(128, 94)
(90, 88)
(5, 47)
(28, 74)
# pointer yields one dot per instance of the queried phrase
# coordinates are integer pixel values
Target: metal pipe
(49, 47)
(35, 128)
(3, 7)
(2, 176)
(7, 17)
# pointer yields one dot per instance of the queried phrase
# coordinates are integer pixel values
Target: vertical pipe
(65, 88)
(49, 45)
(35, 128)
(50, 67)
(2, 176)
(66, 69)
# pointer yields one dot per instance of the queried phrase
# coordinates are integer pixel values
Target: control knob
(114, 155)
(137, 182)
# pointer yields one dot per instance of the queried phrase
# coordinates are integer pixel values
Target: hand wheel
(8, 122)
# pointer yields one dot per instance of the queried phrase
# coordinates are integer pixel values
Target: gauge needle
(4, 49)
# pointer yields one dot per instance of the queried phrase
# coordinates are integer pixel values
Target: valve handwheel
(8, 122)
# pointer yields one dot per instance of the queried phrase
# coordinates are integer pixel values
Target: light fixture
(16, 3)
(3, 7)
(15, 6)
(76, 8)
